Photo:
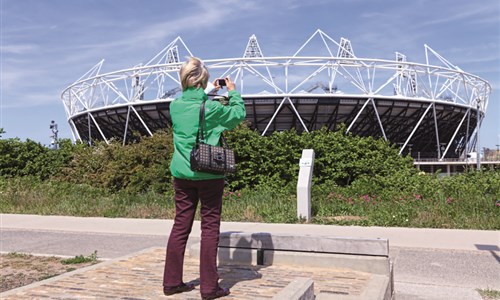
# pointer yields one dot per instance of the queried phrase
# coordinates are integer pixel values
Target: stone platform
(139, 276)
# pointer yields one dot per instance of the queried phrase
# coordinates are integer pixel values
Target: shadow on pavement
(245, 260)
(492, 248)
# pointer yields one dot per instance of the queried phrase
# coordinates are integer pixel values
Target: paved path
(428, 263)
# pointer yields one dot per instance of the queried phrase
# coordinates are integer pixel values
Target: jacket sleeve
(227, 117)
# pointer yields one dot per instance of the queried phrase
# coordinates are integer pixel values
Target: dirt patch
(19, 269)
(349, 218)
(341, 218)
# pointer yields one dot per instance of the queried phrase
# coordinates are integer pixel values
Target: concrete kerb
(378, 288)
(299, 289)
(365, 255)
(305, 243)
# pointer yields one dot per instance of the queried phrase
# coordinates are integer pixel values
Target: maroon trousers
(187, 193)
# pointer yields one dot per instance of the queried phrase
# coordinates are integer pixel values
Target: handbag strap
(201, 122)
(222, 140)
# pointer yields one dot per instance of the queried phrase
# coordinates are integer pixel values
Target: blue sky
(48, 44)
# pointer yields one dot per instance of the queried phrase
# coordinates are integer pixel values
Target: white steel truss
(340, 76)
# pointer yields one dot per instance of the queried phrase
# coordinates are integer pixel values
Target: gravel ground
(19, 269)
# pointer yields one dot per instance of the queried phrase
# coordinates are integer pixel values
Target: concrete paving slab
(485, 240)
(414, 291)
(458, 268)
(64, 243)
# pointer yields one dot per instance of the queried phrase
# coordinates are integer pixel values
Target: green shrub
(340, 158)
(135, 167)
(31, 158)
(271, 160)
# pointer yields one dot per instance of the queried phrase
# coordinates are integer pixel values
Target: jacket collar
(194, 93)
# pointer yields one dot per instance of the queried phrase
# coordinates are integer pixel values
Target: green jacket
(185, 113)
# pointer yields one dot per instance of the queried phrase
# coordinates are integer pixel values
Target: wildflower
(417, 197)
(366, 198)
(449, 200)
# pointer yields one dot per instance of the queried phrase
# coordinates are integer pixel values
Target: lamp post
(478, 146)
(54, 144)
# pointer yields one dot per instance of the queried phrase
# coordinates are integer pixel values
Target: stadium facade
(430, 110)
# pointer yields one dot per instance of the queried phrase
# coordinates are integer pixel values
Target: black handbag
(208, 158)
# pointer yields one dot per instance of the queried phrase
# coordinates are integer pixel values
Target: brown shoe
(167, 291)
(221, 292)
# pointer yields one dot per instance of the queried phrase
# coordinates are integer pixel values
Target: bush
(136, 167)
(339, 158)
(31, 158)
(271, 160)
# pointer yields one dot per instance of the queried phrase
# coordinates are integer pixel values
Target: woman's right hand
(229, 84)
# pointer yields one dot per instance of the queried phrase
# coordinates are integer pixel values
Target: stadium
(429, 110)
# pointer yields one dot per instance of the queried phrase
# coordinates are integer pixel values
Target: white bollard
(304, 185)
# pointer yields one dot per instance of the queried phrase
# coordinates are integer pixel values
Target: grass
(468, 201)
(80, 259)
(489, 294)
(408, 211)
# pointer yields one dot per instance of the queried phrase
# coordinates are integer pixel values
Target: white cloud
(467, 13)
(31, 100)
(9, 78)
(18, 49)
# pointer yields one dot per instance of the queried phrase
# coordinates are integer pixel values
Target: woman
(191, 186)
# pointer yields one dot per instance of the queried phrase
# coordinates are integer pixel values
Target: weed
(489, 294)
(79, 259)
(47, 276)
(18, 255)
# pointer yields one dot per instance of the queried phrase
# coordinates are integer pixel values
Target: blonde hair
(193, 73)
